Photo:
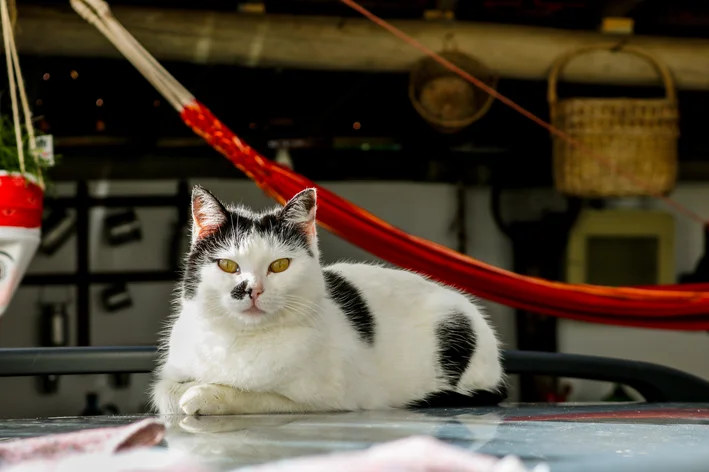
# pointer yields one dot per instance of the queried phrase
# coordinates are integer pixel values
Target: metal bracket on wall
(83, 278)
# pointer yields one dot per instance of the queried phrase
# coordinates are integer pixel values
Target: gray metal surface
(570, 438)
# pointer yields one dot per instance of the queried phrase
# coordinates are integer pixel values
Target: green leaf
(9, 159)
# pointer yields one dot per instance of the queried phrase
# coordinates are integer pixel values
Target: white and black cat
(262, 327)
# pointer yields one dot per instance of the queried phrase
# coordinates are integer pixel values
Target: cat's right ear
(300, 211)
(208, 214)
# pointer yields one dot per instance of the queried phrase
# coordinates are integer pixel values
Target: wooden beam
(201, 162)
(330, 43)
(620, 7)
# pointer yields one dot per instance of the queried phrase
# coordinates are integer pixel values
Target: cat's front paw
(207, 399)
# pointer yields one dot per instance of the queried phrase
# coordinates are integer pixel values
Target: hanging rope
(12, 6)
(668, 307)
(8, 15)
(6, 35)
(98, 13)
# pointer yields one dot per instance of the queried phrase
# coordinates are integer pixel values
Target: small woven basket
(633, 141)
(445, 100)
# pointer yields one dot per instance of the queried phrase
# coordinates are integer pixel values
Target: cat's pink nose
(255, 292)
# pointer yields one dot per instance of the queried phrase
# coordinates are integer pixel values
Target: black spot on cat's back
(352, 304)
(456, 346)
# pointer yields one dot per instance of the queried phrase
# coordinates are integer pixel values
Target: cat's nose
(255, 291)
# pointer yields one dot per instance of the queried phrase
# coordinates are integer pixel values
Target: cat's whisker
(309, 306)
(312, 306)
(304, 302)
(303, 312)
(311, 314)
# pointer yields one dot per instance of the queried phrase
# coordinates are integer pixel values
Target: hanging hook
(620, 45)
(449, 42)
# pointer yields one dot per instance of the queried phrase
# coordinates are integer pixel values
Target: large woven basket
(630, 144)
(445, 100)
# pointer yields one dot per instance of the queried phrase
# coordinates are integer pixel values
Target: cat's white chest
(258, 361)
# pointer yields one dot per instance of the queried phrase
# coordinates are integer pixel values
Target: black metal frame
(538, 249)
(83, 278)
(657, 384)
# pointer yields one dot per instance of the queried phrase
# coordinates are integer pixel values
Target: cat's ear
(300, 210)
(208, 214)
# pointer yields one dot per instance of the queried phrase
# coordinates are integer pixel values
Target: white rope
(14, 74)
(26, 111)
(6, 33)
(137, 61)
(182, 93)
(98, 13)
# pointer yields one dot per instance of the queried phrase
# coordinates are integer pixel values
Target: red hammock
(668, 307)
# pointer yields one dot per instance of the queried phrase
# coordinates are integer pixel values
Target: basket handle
(662, 70)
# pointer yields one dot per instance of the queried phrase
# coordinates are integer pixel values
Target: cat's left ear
(208, 214)
(300, 211)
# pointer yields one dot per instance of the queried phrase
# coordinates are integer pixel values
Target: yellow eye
(279, 265)
(228, 266)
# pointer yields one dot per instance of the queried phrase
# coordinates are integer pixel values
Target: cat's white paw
(207, 399)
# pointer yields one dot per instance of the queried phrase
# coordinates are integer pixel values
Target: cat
(261, 327)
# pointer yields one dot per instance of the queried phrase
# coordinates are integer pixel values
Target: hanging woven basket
(445, 100)
(635, 138)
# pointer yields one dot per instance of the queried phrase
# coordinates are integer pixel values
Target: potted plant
(21, 205)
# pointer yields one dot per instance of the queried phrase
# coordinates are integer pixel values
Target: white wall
(401, 204)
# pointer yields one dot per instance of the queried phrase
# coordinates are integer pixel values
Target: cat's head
(254, 267)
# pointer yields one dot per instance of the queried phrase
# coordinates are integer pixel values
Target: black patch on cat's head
(216, 226)
(240, 291)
